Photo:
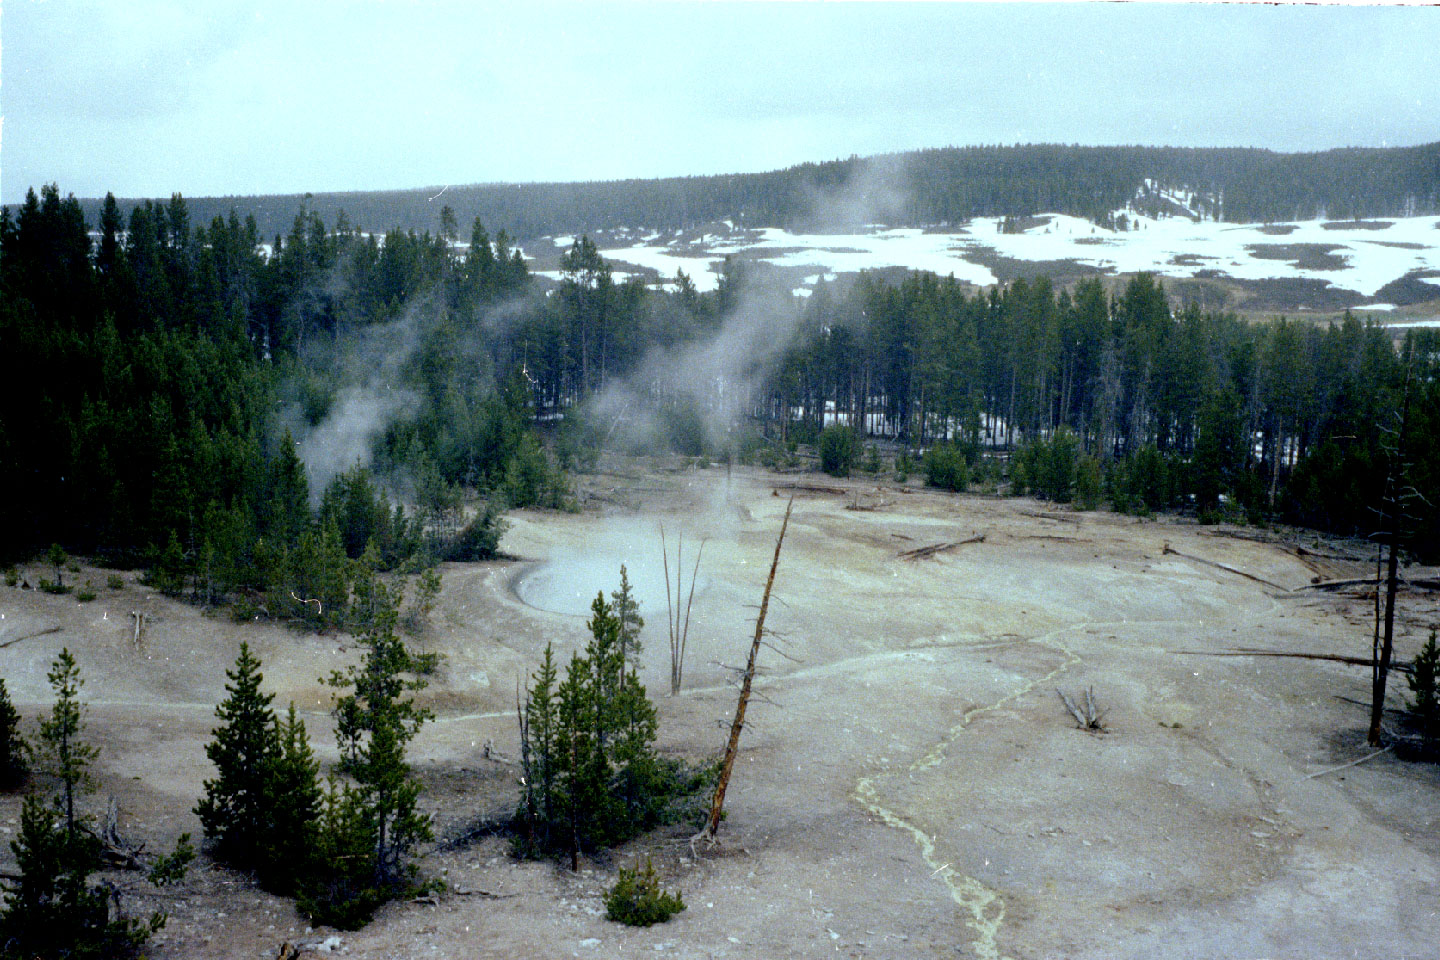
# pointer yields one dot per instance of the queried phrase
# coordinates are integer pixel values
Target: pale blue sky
(147, 97)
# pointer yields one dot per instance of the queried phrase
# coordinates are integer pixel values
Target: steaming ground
(910, 786)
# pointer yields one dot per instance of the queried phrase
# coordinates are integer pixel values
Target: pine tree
(538, 757)
(51, 910)
(591, 776)
(627, 611)
(238, 807)
(63, 754)
(56, 558)
(341, 890)
(373, 724)
(1426, 705)
(13, 765)
(294, 803)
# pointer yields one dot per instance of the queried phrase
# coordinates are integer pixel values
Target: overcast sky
(147, 97)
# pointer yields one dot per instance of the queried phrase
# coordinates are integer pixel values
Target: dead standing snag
(712, 824)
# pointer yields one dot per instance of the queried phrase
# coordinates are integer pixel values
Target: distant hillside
(924, 187)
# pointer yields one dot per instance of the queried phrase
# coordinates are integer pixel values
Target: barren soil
(910, 784)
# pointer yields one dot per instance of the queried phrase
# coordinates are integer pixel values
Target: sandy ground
(910, 785)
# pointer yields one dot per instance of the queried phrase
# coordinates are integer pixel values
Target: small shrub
(86, 593)
(837, 450)
(479, 539)
(872, 464)
(904, 466)
(638, 900)
(50, 586)
(115, 582)
(1425, 708)
(72, 566)
(12, 576)
(945, 468)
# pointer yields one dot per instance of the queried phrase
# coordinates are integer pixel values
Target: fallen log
(1303, 552)
(921, 553)
(1346, 766)
(29, 636)
(1058, 517)
(867, 507)
(813, 488)
(1228, 569)
(1401, 665)
(1418, 583)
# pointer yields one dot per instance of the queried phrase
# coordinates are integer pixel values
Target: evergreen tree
(237, 810)
(1423, 676)
(63, 754)
(626, 610)
(293, 801)
(591, 775)
(374, 722)
(14, 767)
(51, 910)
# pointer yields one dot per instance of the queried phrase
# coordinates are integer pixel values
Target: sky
(151, 97)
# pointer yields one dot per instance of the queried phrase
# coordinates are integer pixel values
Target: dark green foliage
(293, 797)
(1089, 482)
(945, 467)
(62, 752)
(1425, 708)
(838, 450)
(56, 558)
(638, 900)
(166, 346)
(369, 826)
(684, 426)
(14, 765)
(1142, 482)
(170, 868)
(236, 810)
(52, 910)
(341, 889)
(591, 776)
(259, 814)
(626, 610)
(530, 479)
(479, 539)
(165, 350)
(1047, 468)
(904, 466)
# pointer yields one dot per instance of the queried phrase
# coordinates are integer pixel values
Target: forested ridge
(165, 362)
(946, 185)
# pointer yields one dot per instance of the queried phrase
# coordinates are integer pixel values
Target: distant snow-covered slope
(1358, 257)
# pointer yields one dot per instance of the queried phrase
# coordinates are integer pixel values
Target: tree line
(166, 355)
(1286, 418)
(942, 185)
(160, 360)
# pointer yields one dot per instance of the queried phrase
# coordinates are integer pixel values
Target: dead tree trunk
(1394, 514)
(712, 824)
(679, 628)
